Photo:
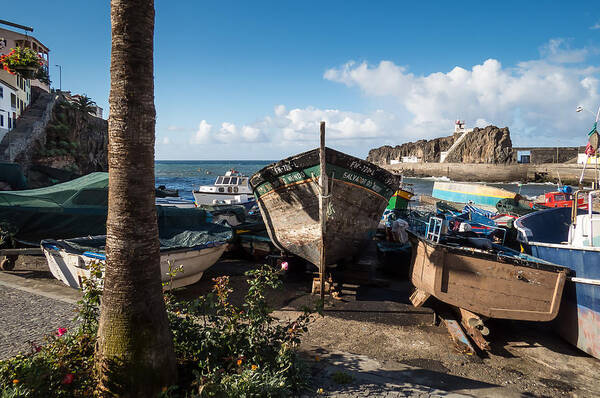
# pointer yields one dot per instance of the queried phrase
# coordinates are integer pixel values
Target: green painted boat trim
(334, 172)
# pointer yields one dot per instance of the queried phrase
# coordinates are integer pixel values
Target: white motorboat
(232, 188)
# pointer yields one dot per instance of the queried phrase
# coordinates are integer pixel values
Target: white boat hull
(176, 202)
(70, 268)
(206, 198)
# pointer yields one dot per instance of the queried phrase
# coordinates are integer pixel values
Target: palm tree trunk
(134, 355)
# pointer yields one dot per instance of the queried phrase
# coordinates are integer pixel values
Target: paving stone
(27, 318)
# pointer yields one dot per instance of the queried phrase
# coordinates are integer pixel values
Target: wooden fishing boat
(497, 282)
(288, 194)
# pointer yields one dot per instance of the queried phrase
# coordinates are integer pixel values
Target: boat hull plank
(486, 286)
(292, 217)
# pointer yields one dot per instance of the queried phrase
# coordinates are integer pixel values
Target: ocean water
(188, 175)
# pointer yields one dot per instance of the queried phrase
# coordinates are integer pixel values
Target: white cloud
(300, 125)
(176, 128)
(536, 99)
(166, 140)
(202, 134)
(229, 133)
(595, 26)
(559, 51)
(280, 110)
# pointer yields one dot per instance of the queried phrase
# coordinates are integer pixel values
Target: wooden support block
(419, 297)
(461, 341)
(316, 286)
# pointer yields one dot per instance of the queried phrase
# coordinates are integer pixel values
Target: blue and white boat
(571, 238)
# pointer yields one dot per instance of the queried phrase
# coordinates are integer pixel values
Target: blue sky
(251, 80)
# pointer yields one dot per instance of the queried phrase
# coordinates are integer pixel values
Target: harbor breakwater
(481, 172)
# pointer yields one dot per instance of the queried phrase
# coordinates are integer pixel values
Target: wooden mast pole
(323, 201)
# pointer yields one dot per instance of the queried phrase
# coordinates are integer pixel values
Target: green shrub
(63, 367)
(221, 350)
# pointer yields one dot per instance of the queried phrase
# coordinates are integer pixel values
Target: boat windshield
(560, 198)
(226, 180)
(219, 180)
(244, 181)
(234, 181)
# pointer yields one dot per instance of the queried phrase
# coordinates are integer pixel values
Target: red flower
(68, 379)
(61, 331)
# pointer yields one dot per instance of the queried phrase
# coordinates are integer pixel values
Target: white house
(582, 158)
(8, 107)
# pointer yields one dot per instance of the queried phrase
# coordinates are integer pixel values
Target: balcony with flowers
(23, 61)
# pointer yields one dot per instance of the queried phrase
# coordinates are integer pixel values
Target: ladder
(434, 229)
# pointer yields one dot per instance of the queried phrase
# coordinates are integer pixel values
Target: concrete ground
(370, 342)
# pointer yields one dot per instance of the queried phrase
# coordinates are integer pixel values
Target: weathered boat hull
(487, 284)
(465, 192)
(288, 196)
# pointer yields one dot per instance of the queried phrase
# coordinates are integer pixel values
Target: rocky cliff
(427, 151)
(74, 140)
(56, 140)
(487, 145)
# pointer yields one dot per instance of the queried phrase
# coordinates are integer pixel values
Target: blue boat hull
(579, 318)
(466, 192)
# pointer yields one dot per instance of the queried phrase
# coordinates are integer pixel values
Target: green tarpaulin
(74, 209)
(11, 174)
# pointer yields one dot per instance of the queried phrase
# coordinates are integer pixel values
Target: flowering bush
(20, 58)
(222, 350)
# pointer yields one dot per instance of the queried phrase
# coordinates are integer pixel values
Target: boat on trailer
(571, 237)
(288, 194)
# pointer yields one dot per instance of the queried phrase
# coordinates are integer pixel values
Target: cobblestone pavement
(26, 317)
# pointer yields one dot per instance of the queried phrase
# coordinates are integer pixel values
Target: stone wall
(550, 154)
(18, 145)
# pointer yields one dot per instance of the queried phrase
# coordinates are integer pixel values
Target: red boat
(563, 199)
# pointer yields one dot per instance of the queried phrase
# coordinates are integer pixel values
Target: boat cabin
(586, 231)
(558, 199)
(233, 182)
(562, 199)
